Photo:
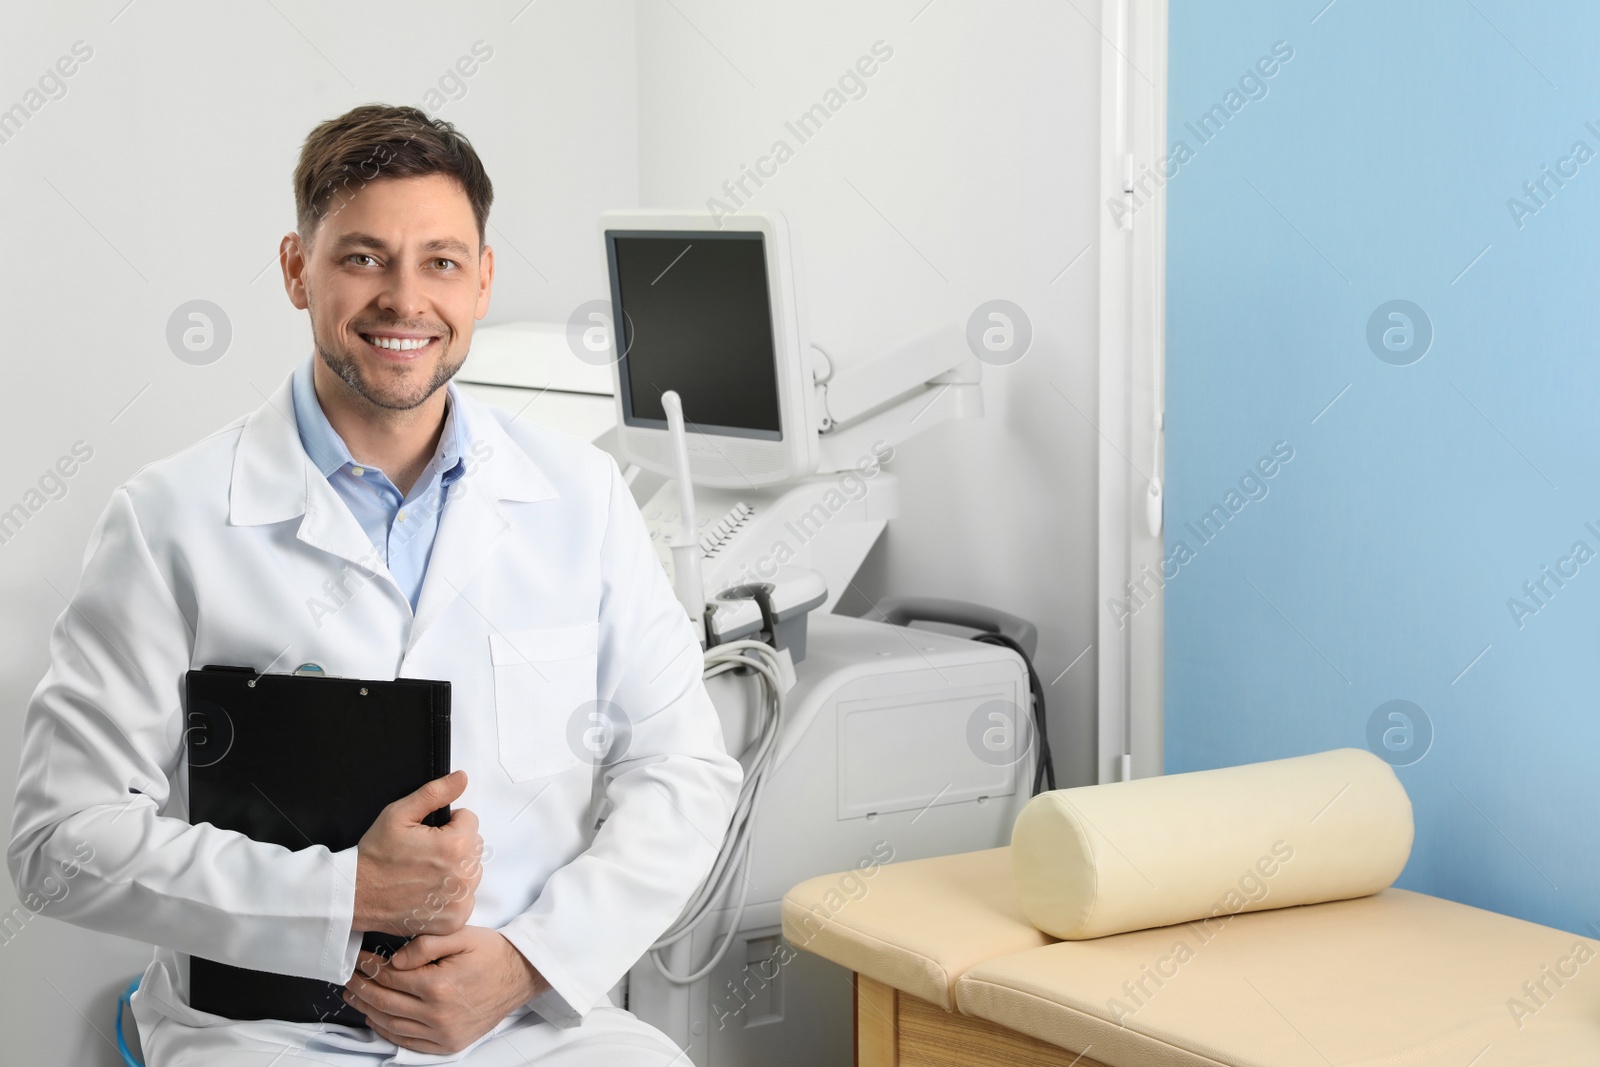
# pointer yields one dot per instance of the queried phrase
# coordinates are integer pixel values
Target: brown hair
(377, 141)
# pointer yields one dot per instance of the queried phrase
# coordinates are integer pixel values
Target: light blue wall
(1381, 559)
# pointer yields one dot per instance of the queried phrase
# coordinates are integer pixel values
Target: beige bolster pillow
(1107, 859)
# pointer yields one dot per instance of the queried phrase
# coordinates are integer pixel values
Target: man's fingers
(416, 952)
(373, 968)
(386, 999)
(423, 950)
(368, 965)
(465, 820)
(419, 984)
(414, 807)
(402, 1032)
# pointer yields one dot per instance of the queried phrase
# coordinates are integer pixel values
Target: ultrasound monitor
(706, 307)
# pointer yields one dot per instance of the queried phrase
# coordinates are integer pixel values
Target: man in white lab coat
(373, 520)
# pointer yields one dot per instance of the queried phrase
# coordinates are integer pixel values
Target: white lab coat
(542, 594)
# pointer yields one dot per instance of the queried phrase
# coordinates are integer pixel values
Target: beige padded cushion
(916, 925)
(1393, 980)
(1106, 859)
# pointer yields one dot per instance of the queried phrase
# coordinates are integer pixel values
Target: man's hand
(416, 879)
(439, 994)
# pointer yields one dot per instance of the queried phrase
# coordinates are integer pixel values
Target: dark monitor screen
(693, 313)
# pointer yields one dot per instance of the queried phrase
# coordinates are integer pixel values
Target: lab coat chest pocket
(542, 678)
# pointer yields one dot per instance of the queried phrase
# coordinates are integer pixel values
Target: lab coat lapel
(473, 521)
(274, 480)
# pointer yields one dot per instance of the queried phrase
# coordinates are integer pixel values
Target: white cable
(732, 861)
(735, 851)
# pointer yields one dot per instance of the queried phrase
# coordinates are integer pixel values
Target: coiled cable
(732, 860)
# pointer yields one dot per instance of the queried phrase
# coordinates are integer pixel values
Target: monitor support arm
(894, 395)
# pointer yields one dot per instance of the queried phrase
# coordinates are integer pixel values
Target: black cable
(1044, 771)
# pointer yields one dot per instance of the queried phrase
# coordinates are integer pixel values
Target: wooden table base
(895, 1029)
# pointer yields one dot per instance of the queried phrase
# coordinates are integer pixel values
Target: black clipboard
(299, 760)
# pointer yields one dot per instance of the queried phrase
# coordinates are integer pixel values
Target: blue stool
(122, 1043)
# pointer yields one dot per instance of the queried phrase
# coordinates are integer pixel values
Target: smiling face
(394, 281)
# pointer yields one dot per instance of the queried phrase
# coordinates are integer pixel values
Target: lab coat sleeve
(102, 736)
(672, 792)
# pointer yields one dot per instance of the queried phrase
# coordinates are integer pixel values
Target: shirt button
(357, 471)
(400, 517)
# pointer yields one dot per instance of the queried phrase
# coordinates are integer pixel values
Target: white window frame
(1133, 85)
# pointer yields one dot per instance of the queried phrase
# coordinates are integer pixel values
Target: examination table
(1169, 956)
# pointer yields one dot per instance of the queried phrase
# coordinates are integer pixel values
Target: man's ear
(292, 257)
(485, 280)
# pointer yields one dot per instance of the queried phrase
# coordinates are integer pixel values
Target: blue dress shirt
(401, 527)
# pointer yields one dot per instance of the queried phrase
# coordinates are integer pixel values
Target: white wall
(966, 172)
(163, 175)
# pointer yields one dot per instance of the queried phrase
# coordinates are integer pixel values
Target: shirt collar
(328, 450)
